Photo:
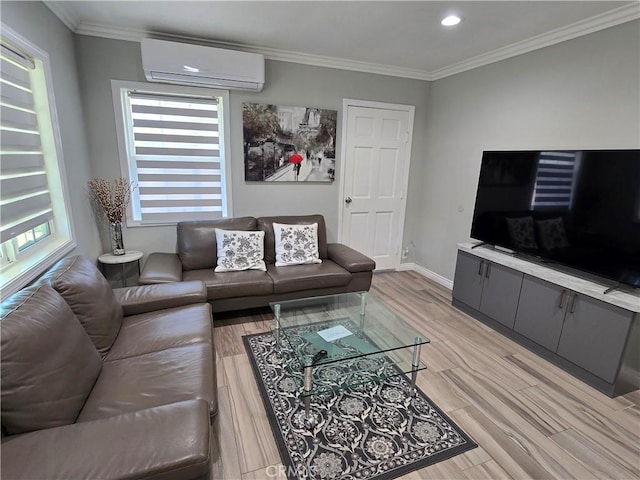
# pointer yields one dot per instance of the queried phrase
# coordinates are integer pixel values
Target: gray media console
(563, 317)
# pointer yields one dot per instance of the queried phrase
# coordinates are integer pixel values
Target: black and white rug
(373, 431)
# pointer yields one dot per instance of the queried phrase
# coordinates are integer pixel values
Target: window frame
(40, 256)
(124, 133)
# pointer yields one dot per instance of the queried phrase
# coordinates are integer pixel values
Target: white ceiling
(389, 37)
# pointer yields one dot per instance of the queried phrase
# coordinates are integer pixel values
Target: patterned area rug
(373, 431)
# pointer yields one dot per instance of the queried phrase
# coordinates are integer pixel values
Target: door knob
(348, 200)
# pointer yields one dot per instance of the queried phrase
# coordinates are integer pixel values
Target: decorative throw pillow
(552, 234)
(521, 233)
(239, 250)
(296, 244)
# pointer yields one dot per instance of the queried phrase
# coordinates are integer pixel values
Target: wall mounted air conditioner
(195, 65)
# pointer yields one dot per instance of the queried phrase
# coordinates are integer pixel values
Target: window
(33, 236)
(35, 230)
(554, 180)
(172, 146)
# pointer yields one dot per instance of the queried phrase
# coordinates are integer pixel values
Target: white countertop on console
(625, 297)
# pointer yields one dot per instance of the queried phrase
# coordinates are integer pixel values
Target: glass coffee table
(346, 340)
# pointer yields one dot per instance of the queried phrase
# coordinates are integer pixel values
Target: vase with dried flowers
(113, 197)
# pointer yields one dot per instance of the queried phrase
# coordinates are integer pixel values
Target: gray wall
(583, 93)
(100, 60)
(36, 23)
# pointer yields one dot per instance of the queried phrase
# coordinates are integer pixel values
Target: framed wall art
(288, 144)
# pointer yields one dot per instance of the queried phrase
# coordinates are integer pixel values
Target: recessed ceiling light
(190, 69)
(450, 20)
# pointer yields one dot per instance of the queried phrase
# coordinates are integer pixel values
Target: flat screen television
(579, 208)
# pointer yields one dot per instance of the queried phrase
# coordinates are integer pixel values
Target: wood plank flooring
(530, 419)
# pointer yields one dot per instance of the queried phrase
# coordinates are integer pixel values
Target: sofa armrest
(161, 268)
(149, 298)
(349, 259)
(167, 442)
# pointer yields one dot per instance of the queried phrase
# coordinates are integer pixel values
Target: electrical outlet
(405, 253)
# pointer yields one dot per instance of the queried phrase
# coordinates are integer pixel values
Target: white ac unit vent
(195, 65)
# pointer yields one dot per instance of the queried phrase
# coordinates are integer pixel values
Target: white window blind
(175, 158)
(25, 201)
(554, 180)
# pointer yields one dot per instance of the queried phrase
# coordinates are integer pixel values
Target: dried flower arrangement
(113, 196)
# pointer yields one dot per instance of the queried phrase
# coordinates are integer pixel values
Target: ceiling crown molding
(114, 32)
(608, 19)
(341, 63)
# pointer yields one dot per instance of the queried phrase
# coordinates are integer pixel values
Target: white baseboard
(439, 279)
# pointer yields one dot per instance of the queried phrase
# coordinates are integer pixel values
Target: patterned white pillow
(239, 250)
(296, 244)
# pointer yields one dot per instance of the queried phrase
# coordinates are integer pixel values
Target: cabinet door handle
(480, 268)
(488, 270)
(573, 303)
(562, 295)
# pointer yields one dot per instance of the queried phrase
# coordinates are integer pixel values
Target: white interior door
(376, 150)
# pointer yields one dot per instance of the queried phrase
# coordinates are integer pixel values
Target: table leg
(308, 387)
(415, 364)
(124, 276)
(363, 303)
(276, 330)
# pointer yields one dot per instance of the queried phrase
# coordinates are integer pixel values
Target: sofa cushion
(296, 244)
(305, 277)
(48, 363)
(266, 225)
(90, 297)
(232, 284)
(162, 329)
(239, 250)
(153, 379)
(197, 240)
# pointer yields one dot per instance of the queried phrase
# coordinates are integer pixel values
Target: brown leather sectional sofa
(102, 383)
(342, 269)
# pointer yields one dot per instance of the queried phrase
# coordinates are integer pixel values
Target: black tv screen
(579, 208)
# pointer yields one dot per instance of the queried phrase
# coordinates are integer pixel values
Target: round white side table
(130, 256)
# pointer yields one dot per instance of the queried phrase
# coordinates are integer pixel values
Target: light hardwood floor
(529, 418)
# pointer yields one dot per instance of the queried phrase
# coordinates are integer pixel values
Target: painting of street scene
(289, 144)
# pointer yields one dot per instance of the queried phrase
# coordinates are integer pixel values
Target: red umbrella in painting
(295, 158)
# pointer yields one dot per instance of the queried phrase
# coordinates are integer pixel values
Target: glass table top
(348, 339)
